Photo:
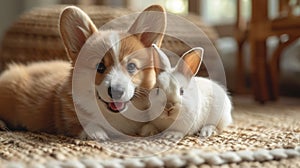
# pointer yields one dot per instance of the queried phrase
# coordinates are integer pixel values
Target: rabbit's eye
(181, 91)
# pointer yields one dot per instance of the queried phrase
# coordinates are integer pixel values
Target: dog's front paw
(98, 136)
(84, 136)
(3, 126)
(93, 132)
(148, 130)
(207, 131)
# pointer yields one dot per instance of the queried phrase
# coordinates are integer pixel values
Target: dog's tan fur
(38, 96)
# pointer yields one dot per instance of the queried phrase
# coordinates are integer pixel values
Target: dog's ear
(75, 28)
(150, 26)
(190, 62)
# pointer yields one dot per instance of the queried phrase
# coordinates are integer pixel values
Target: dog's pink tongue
(117, 106)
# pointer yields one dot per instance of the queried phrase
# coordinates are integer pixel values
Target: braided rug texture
(261, 136)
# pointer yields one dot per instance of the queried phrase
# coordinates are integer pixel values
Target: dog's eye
(131, 67)
(181, 91)
(101, 67)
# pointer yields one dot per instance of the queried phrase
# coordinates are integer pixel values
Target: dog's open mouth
(115, 107)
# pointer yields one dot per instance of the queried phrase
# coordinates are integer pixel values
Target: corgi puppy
(67, 97)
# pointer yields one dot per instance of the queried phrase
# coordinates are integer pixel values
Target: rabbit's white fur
(203, 106)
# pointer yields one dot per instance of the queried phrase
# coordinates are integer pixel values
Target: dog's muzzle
(116, 93)
(115, 106)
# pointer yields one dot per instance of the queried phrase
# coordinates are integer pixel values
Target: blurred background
(233, 22)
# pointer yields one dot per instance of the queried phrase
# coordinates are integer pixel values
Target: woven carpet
(270, 127)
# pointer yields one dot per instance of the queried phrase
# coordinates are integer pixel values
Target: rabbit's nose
(170, 105)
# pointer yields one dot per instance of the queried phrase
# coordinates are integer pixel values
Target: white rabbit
(192, 103)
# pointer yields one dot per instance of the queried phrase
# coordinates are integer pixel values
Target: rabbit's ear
(190, 62)
(164, 62)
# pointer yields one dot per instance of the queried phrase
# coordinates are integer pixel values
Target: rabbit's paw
(207, 131)
(148, 130)
(173, 135)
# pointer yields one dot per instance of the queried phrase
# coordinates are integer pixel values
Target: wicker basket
(34, 36)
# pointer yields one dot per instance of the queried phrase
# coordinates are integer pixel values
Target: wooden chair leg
(240, 82)
(274, 74)
(259, 70)
(274, 67)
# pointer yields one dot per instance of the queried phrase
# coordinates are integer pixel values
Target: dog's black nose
(116, 92)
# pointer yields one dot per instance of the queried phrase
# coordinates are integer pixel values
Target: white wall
(11, 9)
(28, 4)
